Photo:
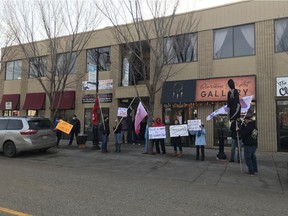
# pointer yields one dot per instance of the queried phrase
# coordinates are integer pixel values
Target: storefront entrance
(282, 124)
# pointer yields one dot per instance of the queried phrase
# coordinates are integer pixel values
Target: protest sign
(157, 132)
(194, 125)
(122, 112)
(178, 130)
(64, 126)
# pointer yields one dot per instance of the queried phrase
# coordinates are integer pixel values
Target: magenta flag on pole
(140, 115)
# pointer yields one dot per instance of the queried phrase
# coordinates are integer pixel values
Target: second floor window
(38, 67)
(234, 41)
(180, 48)
(98, 57)
(13, 70)
(66, 63)
(281, 35)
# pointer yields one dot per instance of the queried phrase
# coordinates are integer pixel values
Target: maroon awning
(67, 101)
(13, 98)
(34, 101)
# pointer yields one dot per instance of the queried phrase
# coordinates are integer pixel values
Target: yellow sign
(64, 126)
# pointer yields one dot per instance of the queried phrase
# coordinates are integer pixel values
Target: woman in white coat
(200, 142)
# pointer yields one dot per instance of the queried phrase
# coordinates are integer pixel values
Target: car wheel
(9, 149)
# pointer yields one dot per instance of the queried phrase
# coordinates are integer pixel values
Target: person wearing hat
(75, 129)
(250, 144)
(233, 101)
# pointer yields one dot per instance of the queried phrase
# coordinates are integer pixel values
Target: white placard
(157, 132)
(194, 125)
(122, 112)
(106, 84)
(281, 86)
(8, 105)
(178, 130)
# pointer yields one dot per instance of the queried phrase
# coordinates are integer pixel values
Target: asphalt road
(68, 181)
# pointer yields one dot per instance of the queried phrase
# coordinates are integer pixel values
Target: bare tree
(150, 47)
(65, 27)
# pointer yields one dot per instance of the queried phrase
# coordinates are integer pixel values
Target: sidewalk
(272, 176)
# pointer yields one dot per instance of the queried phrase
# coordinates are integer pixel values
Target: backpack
(254, 134)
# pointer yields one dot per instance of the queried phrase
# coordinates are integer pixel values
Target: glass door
(282, 124)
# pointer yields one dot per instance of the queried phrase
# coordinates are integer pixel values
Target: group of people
(242, 131)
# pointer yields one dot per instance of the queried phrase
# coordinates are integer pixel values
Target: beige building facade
(244, 41)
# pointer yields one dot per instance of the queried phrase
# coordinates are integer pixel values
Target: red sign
(217, 89)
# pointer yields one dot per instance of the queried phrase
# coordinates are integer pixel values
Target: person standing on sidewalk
(105, 130)
(117, 128)
(200, 142)
(250, 145)
(176, 142)
(58, 132)
(158, 123)
(234, 144)
(75, 129)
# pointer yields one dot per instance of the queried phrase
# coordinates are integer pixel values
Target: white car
(19, 134)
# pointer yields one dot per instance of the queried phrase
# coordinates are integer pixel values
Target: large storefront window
(282, 114)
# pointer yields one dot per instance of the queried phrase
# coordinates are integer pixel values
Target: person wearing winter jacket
(200, 142)
(157, 142)
(105, 130)
(176, 142)
(117, 128)
(250, 144)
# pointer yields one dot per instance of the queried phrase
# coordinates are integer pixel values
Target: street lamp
(107, 63)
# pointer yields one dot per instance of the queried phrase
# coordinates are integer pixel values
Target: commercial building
(245, 41)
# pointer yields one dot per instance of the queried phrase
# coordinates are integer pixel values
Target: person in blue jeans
(105, 130)
(117, 128)
(250, 145)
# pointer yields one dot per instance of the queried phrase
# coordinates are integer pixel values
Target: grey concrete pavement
(272, 166)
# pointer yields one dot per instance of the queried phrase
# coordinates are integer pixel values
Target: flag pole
(122, 116)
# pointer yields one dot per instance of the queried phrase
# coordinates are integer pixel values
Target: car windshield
(40, 124)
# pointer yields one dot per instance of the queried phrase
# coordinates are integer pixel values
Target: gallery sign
(282, 86)
(216, 89)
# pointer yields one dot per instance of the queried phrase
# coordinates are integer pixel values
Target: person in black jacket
(117, 128)
(105, 130)
(250, 145)
(233, 101)
(75, 130)
(176, 142)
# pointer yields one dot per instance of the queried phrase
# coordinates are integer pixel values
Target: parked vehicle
(19, 134)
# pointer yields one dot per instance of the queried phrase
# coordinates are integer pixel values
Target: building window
(66, 63)
(135, 63)
(180, 48)
(38, 67)
(13, 70)
(234, 41)
(281, 35)
(98, 57)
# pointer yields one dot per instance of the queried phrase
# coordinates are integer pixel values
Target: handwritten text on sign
(194, 125)
(178, 130)
(64, 126)
(157, 132)
(122, 112)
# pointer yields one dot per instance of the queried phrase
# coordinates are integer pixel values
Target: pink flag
(140, 115)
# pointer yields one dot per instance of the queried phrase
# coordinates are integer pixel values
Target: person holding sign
(158, 123)
(200, 142)
(58, 132)
(176, 142)
(117, 135)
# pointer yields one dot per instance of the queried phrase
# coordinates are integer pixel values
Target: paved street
(69, 181)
